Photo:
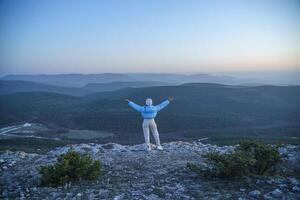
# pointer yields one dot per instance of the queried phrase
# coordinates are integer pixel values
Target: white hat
(148, 102)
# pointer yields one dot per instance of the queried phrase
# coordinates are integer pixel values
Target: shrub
(250, 157)
(266, 156)
(229, 165)
(71, 166)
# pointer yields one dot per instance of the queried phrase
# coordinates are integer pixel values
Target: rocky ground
(130, 172)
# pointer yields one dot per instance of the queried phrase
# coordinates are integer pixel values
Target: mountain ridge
(79, 80)
(15, 86)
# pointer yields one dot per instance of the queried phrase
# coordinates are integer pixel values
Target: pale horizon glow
(143, 36)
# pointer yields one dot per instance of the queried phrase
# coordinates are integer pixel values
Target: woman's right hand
(127, 100)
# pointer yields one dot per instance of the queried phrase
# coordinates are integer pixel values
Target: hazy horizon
(229, 72)
(90, 37)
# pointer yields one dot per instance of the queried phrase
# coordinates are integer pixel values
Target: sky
(184, 36)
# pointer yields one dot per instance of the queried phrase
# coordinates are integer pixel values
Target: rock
(296, 189)
(69, 194)
(283, 186)
(54, 195)
(129, 172)
(152, 197)
(270, 181)
(118, 197)
(255, 193)
(276, 193)
(293, 181)
(268, 197)
(79, 194)
(22, 154)
(95, 150)
(22, 195)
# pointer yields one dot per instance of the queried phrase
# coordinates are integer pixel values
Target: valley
(224, 114)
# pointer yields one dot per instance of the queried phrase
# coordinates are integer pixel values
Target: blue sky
(86, 36)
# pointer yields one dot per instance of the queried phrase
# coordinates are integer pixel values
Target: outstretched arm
(134, 106)
(164, 104)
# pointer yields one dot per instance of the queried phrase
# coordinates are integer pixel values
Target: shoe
(149, 148)
(160, 147)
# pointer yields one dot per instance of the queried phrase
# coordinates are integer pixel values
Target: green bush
(266, 156)
(71, 166)
(229, 165)
(250, 157)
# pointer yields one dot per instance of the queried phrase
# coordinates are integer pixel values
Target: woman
(149, 112)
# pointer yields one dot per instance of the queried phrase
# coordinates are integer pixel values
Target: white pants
(147, 125)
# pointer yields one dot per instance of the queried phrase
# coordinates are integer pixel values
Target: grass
(233, 136)
(86, 134)
(30, 144)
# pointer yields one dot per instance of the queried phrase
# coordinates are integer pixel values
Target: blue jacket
(149, 112)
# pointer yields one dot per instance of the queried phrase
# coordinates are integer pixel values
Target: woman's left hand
(171, 98)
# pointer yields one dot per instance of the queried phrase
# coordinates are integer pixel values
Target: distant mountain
(79, 80)
(70, 80)
(98, 87)
(9, 87)
(283, 78)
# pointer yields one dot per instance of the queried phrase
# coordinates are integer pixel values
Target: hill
(222, 113)
(10, 87)
(80, 80)
(69, 80)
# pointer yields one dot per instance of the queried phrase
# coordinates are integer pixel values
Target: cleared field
(86, 134)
